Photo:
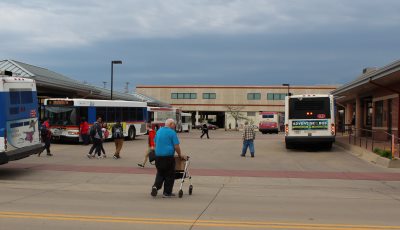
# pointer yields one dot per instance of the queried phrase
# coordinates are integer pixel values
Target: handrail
(371, 137)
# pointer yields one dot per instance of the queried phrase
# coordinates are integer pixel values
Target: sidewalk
(363, 148)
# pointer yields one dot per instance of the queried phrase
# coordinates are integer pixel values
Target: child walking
(152, 135)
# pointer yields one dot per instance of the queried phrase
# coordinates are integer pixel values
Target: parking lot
(278, 189)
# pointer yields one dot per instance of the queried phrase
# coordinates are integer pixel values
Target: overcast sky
(213, 42)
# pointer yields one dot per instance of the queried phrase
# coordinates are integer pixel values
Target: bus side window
(101, 112)
(139, 115)
(125, 114)
(110, 114)
(118, 114)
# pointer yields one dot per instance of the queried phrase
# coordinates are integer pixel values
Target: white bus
(158, 116)
(186, 122)
(309, 119)
(65, 116)
(19, 124)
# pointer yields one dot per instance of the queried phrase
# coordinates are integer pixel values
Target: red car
(210, 126)
(268, 127)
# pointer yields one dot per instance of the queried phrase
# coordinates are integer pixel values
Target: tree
(236, 113)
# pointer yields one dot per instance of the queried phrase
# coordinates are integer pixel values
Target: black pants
(85, 139)
(165, 173)
(96, 146)
(47, 142)
(205, 132)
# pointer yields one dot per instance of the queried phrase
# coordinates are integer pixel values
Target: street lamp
(288, 86)
(112, 72)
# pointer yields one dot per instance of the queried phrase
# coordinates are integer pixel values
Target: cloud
(44, 24)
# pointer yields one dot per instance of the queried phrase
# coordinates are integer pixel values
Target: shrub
(383, 153)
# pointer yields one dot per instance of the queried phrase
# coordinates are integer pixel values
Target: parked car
(210, 126)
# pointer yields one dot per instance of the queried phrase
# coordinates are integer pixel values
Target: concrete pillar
(349, 113)
(197, 118)
(359, 116)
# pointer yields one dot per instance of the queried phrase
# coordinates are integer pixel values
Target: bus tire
(132, 133)
(289, 145)
(328, 146)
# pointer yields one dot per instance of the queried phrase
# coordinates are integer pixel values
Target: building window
(209, 95)
(251, 114)
(276, 96)
(183, 95)
(379, 114)
(254, 96)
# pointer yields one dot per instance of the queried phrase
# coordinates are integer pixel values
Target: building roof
(385, 76)
(51, 79)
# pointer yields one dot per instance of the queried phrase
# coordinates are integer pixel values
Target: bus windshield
(309, 108)
(62, 115)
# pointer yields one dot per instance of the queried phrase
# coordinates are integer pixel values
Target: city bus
(158, 115)
(65, 116)
(269, 122)
(186, 122)
(19, 123)
(309, 119)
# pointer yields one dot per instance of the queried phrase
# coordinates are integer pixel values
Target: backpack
(118, 132)
(43, 130)
(92, 130)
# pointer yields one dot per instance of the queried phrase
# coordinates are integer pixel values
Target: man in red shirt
(46, 136)
(84, 131)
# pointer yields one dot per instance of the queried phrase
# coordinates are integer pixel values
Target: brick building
(371, 103)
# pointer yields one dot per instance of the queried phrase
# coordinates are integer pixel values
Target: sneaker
(89, 156)
(154, 191)
(49, 154)
(141, 165)
(170, 195)
(115, 157)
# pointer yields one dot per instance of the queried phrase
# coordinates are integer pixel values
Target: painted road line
(204, 223)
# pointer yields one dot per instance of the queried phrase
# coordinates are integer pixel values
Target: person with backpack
(97, 135)
(45, 133)
(118, 135)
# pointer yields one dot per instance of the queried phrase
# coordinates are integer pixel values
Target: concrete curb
(369, 156)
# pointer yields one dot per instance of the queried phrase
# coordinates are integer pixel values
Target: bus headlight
(333, 130)
(73, 133)
(286, 129)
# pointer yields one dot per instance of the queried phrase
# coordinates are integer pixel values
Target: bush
(383, 153)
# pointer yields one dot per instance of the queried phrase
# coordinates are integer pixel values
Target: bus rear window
(20, 96)
(309, 108)
(267, 116)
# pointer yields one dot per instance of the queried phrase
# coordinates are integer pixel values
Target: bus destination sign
(60, 102)
(310, 125)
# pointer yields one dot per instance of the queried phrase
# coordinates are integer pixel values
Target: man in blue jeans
(248, 139)
(167, 143)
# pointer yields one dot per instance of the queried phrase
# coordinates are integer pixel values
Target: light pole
(112, 73)
(288, 86)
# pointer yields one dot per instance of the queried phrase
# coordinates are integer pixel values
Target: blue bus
(19, 124)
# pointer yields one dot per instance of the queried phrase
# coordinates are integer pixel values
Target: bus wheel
(132, 133)
(289, 146)
(328, 146)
